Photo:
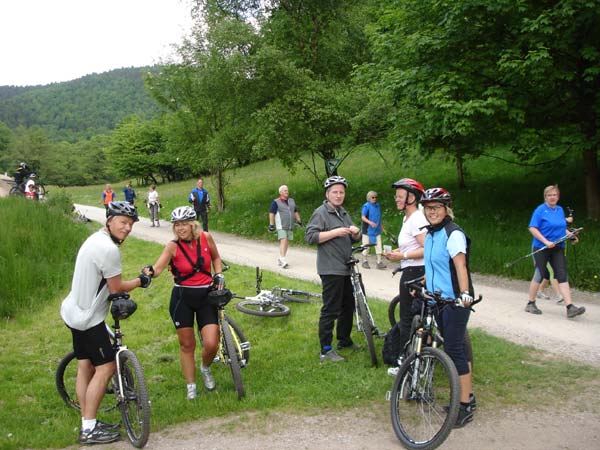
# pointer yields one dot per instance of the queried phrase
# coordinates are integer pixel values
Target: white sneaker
(192, 392)
(541, 295)
(393, 371)
(279, 263)
(207, 376)
(284, 263)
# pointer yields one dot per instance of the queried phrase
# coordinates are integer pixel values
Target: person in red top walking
(190, 256)
(108, 195)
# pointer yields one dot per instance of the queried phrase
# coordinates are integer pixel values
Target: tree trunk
(220, 191)
(460, 170)
(592, 183)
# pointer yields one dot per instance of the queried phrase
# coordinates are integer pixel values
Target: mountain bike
(40, 190)
(234, 349)
(364, 319)
(425, 397)
(128, 385)
(270, 303)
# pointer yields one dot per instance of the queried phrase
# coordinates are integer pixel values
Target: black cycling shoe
(472, 403)
(98, 436)
(350, 346)
(465, 415)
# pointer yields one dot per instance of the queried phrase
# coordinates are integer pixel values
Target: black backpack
(391, 346)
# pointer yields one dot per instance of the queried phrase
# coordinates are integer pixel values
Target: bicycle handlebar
(425, 295)
(362, 247)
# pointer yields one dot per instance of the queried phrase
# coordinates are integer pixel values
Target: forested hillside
(78, 109)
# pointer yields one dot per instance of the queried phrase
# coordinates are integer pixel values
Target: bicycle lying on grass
(270, 303)
(425, 397)
(364, 319)
(234, 349)
(128, 383)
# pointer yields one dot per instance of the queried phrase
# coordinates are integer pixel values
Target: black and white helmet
(122, 209)
(183, 213)
(335, 179)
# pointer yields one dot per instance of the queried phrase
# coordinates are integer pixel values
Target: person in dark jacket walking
(130, 194)
(201, 200)
(332, 229)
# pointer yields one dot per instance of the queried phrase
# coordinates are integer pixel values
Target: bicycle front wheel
(240, 341)
(133, 400)
(233, 358)
(301, 296)
(367, 328)
(425, 399)
(264, 309)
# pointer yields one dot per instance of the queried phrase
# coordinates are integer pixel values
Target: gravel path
(573, 426)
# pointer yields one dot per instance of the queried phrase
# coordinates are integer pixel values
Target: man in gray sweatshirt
(332, 229)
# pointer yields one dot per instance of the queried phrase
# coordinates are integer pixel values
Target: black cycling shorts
(93, 344)
(187, 301)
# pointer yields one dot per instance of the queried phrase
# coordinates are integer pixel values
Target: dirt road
(574, 426)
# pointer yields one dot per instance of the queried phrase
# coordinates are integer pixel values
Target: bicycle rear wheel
(233, 358)
(425, 386)
(134, 404)
(257, 308)
(301, 296)
(394, 316)
(367, 327)
(66, 374)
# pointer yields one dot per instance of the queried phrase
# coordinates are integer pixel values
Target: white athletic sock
(88, 424)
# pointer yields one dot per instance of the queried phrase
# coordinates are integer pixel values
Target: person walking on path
(189, 257)
(548, 224)
(201, 200)
(97, 274)
(370, 216)
(154, 205)
(332, 230)
(130, 194)
(282, 217)
(446, 256)
(108, 196)
(411, 240)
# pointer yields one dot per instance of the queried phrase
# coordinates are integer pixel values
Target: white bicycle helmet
(122, 209)
(336, 179)
(183, 213)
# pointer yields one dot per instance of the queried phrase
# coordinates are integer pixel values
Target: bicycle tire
(66, 373)
(301, 297)
(367, 327)
(418, 416)
(233, 359)
(241, 338)
(135, 405)
(257, 308)
(392, 310)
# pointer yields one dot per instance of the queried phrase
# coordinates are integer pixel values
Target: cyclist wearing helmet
(409, 254)
(97, 274)
(332, 229)
(22, 172)
(190, 256)
(447, 270)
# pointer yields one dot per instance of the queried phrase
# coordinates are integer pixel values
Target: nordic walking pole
(569, 235)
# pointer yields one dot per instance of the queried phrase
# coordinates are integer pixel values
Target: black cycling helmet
(122, 305)
(122, 209)
(410, 185)
(335, 179)
(437, 194)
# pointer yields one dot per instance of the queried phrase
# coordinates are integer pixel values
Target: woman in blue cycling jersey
(447, 270)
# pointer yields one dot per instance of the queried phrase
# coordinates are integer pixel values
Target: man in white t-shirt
(97, 274)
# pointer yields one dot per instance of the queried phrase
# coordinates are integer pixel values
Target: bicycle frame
(358, 289)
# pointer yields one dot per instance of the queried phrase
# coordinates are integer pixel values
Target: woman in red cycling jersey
(190, 256)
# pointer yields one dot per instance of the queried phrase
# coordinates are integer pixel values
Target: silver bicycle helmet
(122, 209)
(183, 213)
(335, 179)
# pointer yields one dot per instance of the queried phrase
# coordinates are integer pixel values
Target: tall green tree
(211, 98)
(466, 76)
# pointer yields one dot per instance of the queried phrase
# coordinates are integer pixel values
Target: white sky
(45, 41)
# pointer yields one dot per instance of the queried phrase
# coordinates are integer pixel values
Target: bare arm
(540, 237)
(116, 284)
(164, 258)
(217, 263)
